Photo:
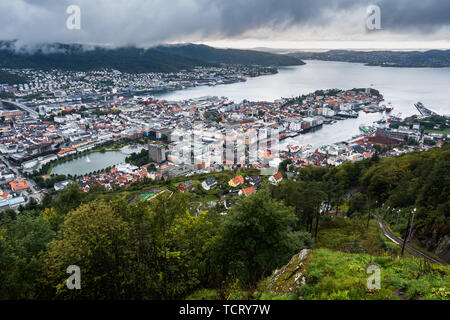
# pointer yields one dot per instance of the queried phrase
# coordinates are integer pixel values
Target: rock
(290, 277)
(443, 248)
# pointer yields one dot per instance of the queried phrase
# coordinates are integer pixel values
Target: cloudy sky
(305, 24)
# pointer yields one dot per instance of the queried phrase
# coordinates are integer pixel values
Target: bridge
(30, 111)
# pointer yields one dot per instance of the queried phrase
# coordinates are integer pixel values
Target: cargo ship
(394, 119)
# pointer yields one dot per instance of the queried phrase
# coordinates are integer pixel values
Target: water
(90, 163)
(403, 87)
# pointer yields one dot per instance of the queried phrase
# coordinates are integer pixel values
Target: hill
(132, 59)
(11, 78)
(79, 58)
(119, 239)
(432, 58)
(330, 275)
(230, 56)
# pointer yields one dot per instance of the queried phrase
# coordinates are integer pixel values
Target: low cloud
(145, 23)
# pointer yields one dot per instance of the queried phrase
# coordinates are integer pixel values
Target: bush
(338, 295)
(417, 288)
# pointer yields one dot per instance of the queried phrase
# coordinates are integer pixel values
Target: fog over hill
(131, 59)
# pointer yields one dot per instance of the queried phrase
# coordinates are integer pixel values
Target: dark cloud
(148, 22)
(415, 16)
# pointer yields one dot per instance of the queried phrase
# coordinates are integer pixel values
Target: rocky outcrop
(440, 246)
(443, 248)
(290, 277)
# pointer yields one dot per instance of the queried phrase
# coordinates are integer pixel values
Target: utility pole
(407, 230)
(412, 225)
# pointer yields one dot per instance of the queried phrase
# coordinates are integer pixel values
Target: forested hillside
(134, 60)
(161, 249)
(10, 78)
(408, 59)
(230, 56)
(78, 58)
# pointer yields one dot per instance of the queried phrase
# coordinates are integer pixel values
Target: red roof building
(276, 178)
(236, 181)
(247, 191)
(18, 185)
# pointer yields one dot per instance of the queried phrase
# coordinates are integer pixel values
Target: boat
(394, 119)
(389, 108)
(347, 114)
(381, 121)
(87, 159)
(365, 129)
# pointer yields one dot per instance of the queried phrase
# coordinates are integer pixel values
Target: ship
(381, 121)
(394, 119)
(365, 129)
(389, 108)
(348, 114)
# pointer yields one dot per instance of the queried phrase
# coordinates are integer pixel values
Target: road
(30, 111)
(399, 241)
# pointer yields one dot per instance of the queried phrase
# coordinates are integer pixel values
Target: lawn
(444, 131)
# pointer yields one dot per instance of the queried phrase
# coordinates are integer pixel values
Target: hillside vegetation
(72, 57)
(230, 56)
(431, 58)
(11, 78)
(129, 248)
(135, 60)
(333, 275)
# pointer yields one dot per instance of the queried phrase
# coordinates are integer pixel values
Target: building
(236, 181)
(13, 203)
(209, 183)
(62, 184)
(18, 185)
(157, 153)
(8, 114)
(276, 178)
(187, 185)
(247, 191)
(254, 180)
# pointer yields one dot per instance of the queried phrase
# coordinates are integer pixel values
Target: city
(67, 127)
(210, 158)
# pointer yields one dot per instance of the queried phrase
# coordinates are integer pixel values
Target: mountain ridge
(416, 59)
(167, 59)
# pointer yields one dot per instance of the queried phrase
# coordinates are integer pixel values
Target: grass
(444, 131)
(204, 294)
(337, 267)
(351, 236)
(337, 270)
(333, 275)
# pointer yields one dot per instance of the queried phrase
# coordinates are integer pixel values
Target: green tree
(96, 239)
(21, 243)
(357, 203)
(258, 234)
